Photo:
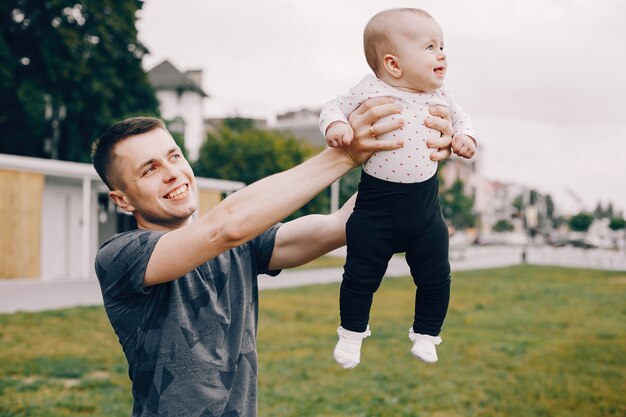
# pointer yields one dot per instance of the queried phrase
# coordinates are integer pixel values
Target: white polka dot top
(410, 163)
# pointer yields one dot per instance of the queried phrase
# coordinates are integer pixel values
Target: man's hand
(365, 129)
(464, 146)
(441, 122)
(339, 134)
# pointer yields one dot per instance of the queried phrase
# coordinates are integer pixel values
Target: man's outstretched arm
(252, 210)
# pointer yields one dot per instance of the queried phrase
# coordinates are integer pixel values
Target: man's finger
(439, 124)
(383, 110)
(381, 145)
(441, 142)
(439, 111)
(371, 103)
(387, 126)
(440, 154)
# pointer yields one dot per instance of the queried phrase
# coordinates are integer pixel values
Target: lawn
(521, 341)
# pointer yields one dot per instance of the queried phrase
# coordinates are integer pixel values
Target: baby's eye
(430, 47)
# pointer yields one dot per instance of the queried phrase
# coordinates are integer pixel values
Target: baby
(397, 207)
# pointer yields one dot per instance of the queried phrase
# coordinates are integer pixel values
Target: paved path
(35, 295)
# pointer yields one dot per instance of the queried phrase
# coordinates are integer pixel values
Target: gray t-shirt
(190, 343)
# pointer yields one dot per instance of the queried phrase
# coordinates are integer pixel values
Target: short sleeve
(263, 246)
(121, 263)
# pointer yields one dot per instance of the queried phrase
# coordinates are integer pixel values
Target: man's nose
(171, 172)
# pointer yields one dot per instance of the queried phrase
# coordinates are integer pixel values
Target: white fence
(578, 258)
(477, 257)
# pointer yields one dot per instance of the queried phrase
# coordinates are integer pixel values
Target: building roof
(166, 76)
(65, 169)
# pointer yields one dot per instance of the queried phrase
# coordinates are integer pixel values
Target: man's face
(419, 42)
(157, 184)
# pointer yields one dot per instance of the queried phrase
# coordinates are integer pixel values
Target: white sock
(424, 346)
(348, 350)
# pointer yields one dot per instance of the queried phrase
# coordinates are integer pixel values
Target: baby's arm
(463, 142)
(334, 117)
(463, 145)
(339, 134)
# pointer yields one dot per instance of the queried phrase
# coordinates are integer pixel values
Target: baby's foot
(348, 350)
(424, 346)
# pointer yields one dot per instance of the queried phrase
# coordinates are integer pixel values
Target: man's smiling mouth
(178, 191)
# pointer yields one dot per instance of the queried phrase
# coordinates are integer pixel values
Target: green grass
(521, 341)
(324, 262)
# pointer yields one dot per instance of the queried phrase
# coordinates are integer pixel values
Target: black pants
(389, 218)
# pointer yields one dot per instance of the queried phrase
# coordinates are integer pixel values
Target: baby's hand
(339, 134)
(463, 146)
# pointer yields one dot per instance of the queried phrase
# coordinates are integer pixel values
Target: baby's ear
(391, 66)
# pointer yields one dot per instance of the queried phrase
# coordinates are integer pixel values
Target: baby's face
(419, 49)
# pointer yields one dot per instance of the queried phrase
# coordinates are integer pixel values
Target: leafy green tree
(503, 226)
(251, 154)
(617, 223)
(581, 222)
(238, 124)
(518, 205)
(457, 206)
(68, 70)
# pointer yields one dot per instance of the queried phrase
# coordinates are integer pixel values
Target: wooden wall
(20, 224)
(208, 200)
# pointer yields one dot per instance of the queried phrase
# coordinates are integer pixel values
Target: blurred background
(240, 85)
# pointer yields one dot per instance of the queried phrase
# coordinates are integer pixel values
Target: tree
(503, 226)
(518, 205)
(617, 223)
(581, 222)
(251, 154)
(457, 206)
(68, 70)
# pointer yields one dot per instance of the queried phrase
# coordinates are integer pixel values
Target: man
(180, 294)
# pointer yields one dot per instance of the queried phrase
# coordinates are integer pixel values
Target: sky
(542, 80)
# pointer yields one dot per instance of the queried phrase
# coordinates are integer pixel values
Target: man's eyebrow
(145, 164)
(153, 160)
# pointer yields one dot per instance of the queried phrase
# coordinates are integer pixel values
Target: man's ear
(392, 66)
(120, 200)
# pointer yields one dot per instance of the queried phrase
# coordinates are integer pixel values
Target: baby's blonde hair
(377, 39)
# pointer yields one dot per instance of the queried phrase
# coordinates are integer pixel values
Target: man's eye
(176, 156)
(149, 170)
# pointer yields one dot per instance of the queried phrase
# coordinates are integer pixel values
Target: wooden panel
(20, 217)
(208, 199)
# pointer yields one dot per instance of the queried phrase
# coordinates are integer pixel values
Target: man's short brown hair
(102, 149)
(377, 39)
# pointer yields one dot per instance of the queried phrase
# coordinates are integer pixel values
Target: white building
(181, 98)
(55, 214)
